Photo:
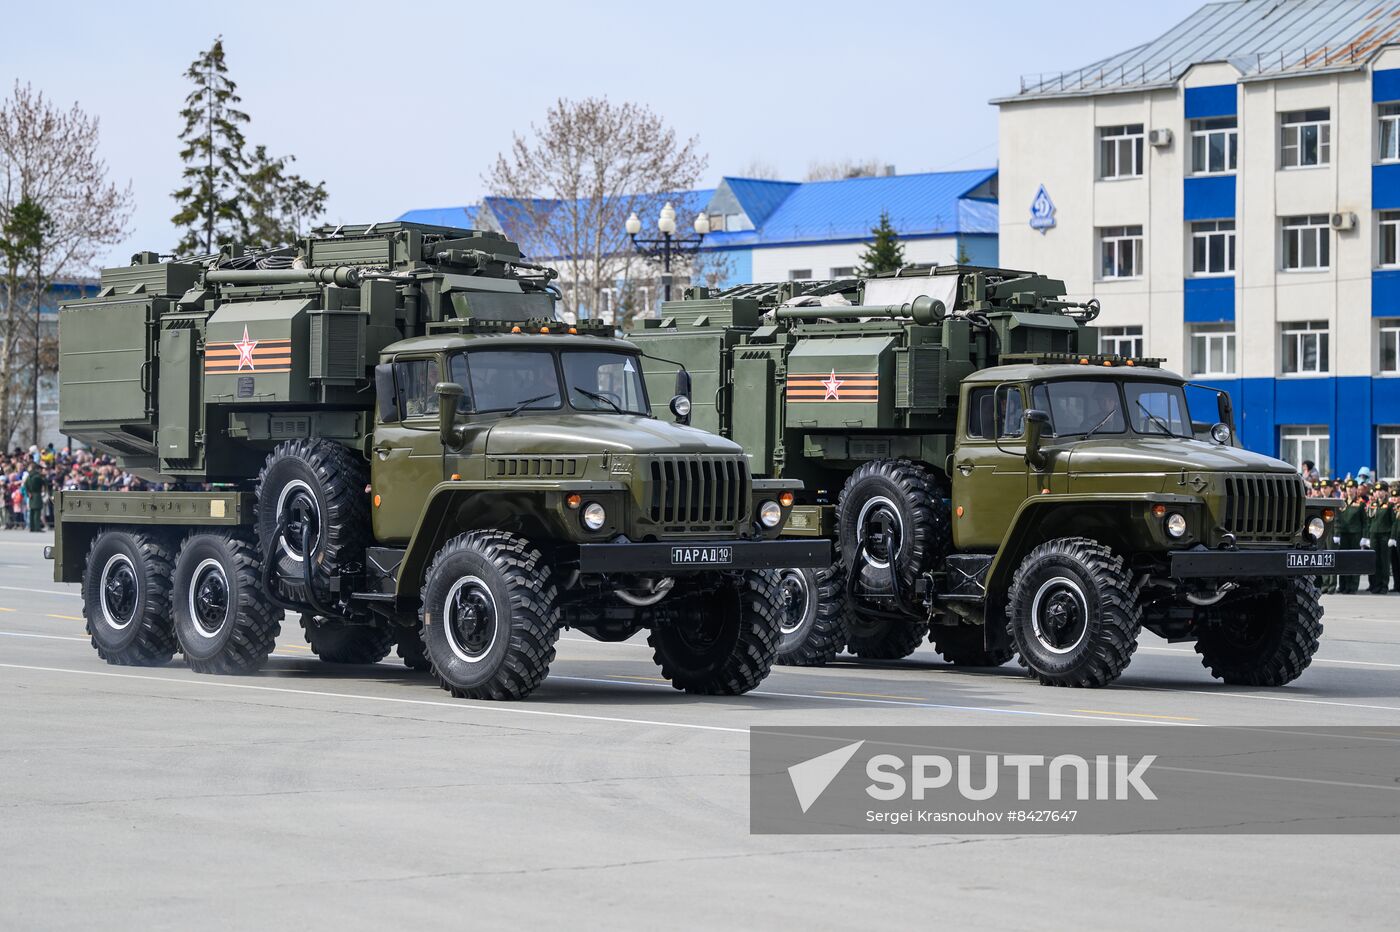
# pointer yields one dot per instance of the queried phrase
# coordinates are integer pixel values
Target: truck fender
(439, 520)
(1039, 511)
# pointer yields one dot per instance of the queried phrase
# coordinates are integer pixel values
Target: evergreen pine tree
(279, 205)
(885, 253)
(213, 155)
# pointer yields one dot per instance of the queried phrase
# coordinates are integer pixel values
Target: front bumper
(703, 556)
(1203, 562)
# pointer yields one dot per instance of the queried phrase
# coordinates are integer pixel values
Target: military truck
(386, 431)
(992, 481)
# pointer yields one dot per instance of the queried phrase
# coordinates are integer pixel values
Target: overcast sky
(399, 105)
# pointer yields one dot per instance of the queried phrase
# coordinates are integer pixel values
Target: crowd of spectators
(32, 476)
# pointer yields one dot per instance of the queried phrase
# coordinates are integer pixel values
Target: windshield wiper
(599, 397)
(529, 401)
(1101, 423)
(1155, 419)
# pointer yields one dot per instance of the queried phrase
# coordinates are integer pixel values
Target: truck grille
(1263, 506)
(698, 490)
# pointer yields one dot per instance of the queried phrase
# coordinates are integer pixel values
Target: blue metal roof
(930, 204)
(464, 217)
(759, 196)
(1262, 38)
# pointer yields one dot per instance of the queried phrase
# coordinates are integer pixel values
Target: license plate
(701, 556)
(1312, 560)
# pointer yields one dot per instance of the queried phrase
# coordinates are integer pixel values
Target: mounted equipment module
(991, 481)
(398, 440)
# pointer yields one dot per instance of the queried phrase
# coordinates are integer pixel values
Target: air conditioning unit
(1343, 220)
(1160, 137)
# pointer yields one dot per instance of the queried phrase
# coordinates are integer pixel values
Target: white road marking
(71, 595)
(47, 637)
(500, 708)
(1230, 695)
(912, 703)
(1349, 663)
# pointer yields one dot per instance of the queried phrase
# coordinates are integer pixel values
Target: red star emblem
(833, 387)
(245, 350)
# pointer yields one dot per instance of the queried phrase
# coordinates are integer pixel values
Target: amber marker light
(960, 511)
(1083, 362)
(786, 499)
(1328, 514)
(574, 500)
(515, 329)
(456, 476)
(573, 330)
(1159, 510)
(377, 500)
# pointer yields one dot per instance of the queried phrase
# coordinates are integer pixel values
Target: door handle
(382, 452)
(965, 468)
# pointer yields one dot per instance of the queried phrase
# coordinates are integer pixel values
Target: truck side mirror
(1036, 421)
(449, 398)
(386, 393)
(1226, 410)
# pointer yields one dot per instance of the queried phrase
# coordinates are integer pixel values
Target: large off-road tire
(721, 641)
(317, 483)
(816, 616)
(490, 616)
(126, 598)
(892, 498)
(964, 646)
(1073, 613)
(874, 638)
(411, 650)
(1264, 640)
(335, 641)
(223, 620)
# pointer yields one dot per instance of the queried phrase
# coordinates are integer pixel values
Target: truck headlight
(594, 516)
(1316, 528)
(770, 514)
(1176, 524)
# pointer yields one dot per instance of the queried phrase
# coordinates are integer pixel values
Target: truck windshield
(528, 380)
(503, 380)
(1087, 407)
(604, 381)
(1097, 407)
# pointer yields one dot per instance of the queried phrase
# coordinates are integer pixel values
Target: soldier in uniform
(1323, 488)
(1349, 525)
(1394, 550)
(1380, 523)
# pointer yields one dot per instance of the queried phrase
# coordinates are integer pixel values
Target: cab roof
(1025, 372)
(445, 342)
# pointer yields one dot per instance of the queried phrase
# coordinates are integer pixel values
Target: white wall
(774, 263)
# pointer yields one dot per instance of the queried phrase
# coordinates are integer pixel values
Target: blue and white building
(765, 230)
(1231, 192)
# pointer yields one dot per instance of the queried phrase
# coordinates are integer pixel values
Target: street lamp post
(668, 244)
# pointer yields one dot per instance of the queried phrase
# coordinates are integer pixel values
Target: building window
(1121, 249)
(843, 271)
(1215, 146)
(1307, 243)
(1213, 349)
(1120, 341)
(1388, 343)
(1387, 452)
(1305, 348)
(1388, 133)
(799, 275)
(1388, 239)
(1306, 139)
(1213, 247)
(733, 223)
(1120, 151)
(1297, 443)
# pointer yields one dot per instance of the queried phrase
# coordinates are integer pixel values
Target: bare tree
(571, 185)
(837, 169)
(758, 168)
(48, 159)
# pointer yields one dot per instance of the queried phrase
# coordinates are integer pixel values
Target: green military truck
(385, 430)
(993, 482)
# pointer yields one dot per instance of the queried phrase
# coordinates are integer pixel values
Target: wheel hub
(470, 619)
(209, 598)
(792, 588)
(296, 505)
(880, 525)
(118, 591)
(1060, 615)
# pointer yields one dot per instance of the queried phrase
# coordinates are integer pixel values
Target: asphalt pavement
(312, 796)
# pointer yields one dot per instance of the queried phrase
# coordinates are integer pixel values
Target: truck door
(406, 459)
(990, 476)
